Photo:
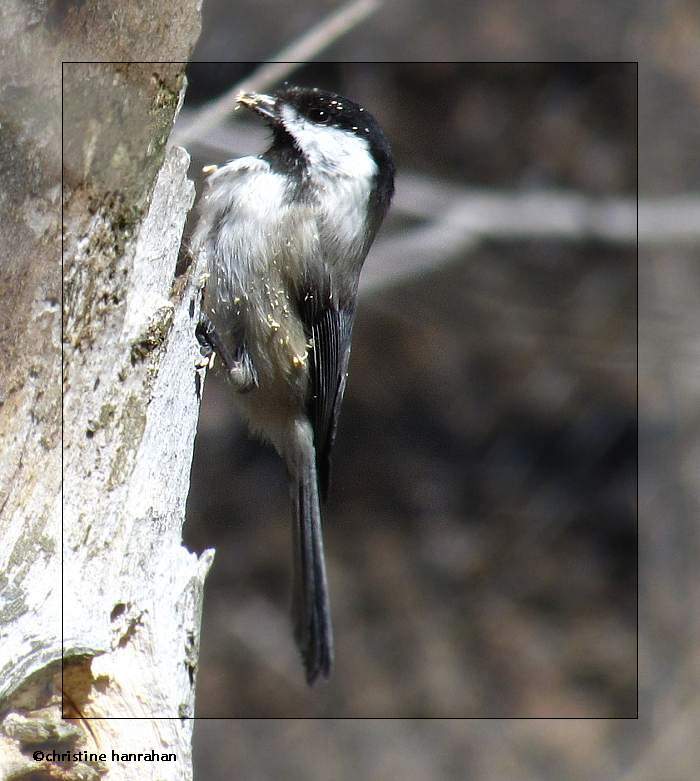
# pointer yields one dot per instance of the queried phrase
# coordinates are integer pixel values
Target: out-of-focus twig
(297, 53)
(554, 213)
(674, 720)
(453, 219)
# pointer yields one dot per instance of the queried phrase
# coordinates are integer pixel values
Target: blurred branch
(555, 214)
(455, 219)
(670, 748)
(261, 628)
(279, 67)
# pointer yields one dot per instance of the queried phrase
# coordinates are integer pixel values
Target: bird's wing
(329, 328)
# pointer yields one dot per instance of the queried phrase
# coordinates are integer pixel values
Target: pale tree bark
(123, 611)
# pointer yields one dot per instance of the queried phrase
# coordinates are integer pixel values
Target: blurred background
(482, 527)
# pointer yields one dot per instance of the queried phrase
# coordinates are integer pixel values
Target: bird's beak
(264, 105)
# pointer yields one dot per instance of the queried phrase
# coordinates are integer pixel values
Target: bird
(285, 235)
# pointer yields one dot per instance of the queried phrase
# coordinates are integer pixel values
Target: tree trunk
(99, 602)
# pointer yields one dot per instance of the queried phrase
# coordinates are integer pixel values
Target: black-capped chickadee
(285, 236)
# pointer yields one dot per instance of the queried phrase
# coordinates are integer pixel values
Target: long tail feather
(311, 606)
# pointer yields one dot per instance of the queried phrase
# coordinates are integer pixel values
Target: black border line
(637, 373)
(350, 718)
(62, 409)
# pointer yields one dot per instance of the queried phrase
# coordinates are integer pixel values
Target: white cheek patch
(342, 166)
(330, 149)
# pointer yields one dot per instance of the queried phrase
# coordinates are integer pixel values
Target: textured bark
(125, 615)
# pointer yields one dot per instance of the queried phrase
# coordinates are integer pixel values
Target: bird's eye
(320, 116)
